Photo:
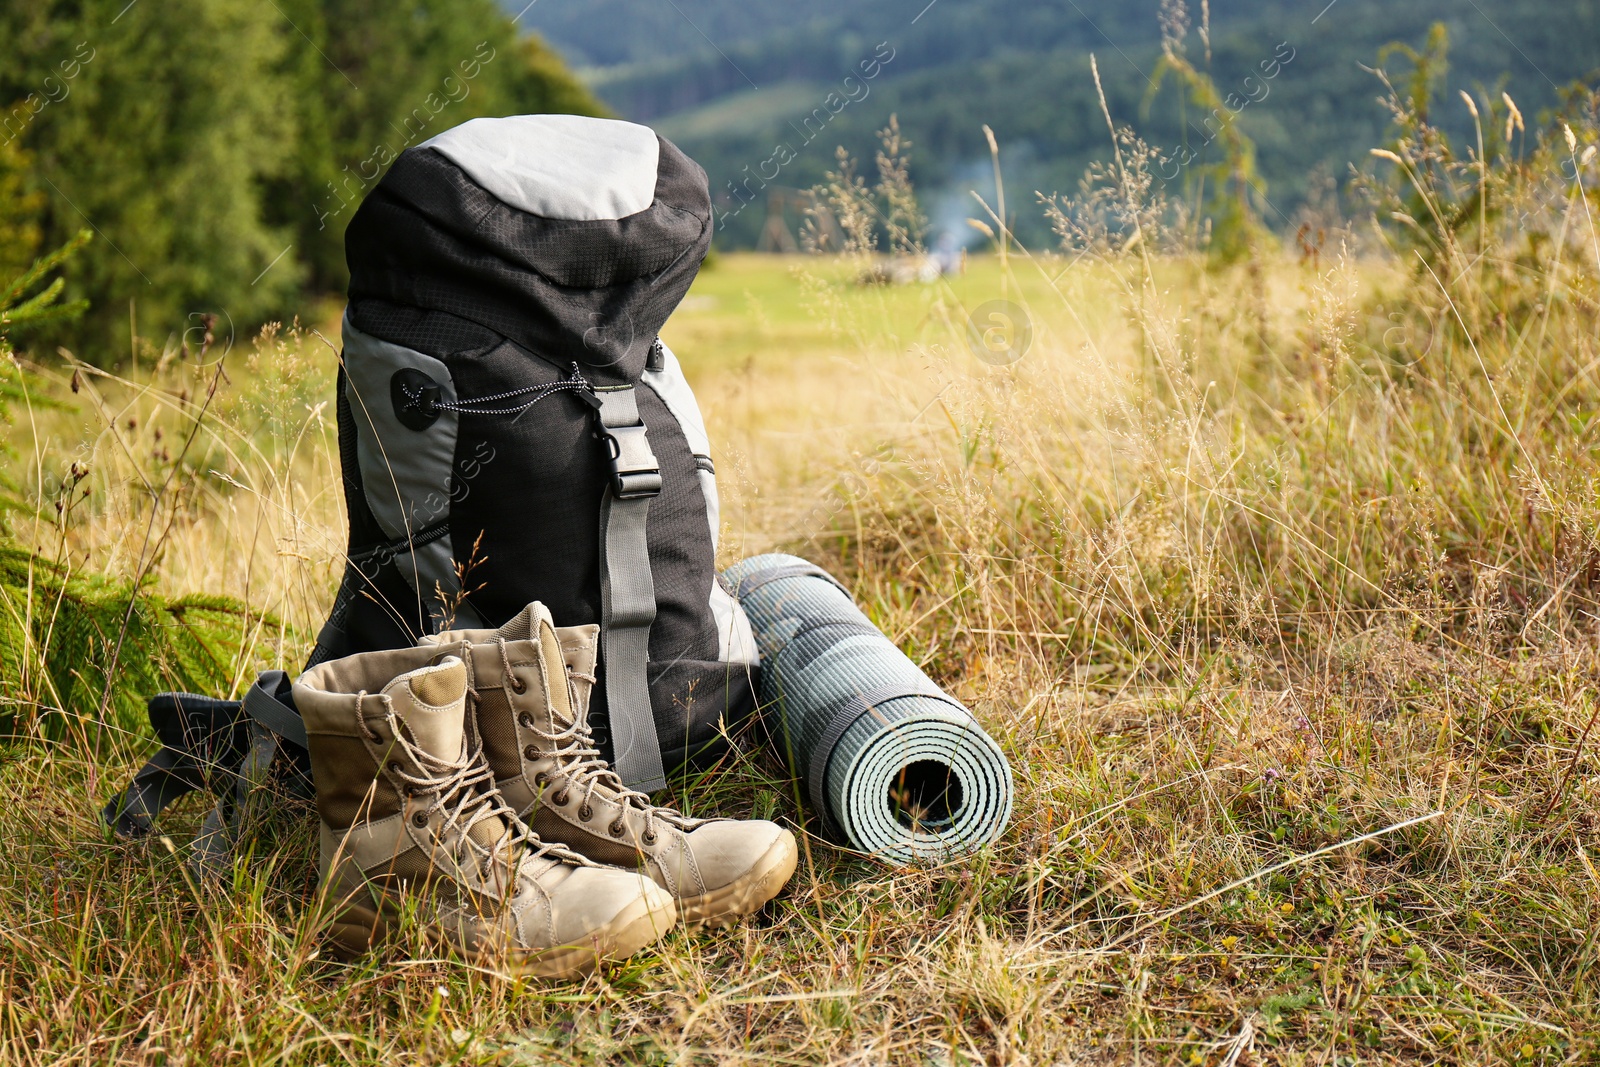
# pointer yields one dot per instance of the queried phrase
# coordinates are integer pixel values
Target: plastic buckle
(634, 470)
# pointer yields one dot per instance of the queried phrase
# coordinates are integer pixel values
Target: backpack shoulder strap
(627, 588)
(227, 746)
(269, 704)
(199, 736)
(276, 738)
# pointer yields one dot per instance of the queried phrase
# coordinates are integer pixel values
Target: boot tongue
(534, 625)
(525, 624)
(555, 669)
(432, 704)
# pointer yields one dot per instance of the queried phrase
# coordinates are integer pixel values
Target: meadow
(1276, 581)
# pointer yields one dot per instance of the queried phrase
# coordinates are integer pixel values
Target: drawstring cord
(573, 383)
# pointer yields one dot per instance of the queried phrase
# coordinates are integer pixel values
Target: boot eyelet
(420, 820)
(517, 684)
(648, 838)
(525, 721)
(541, 779)
(617, 828)
(586, 813)
(394, 768)
(559, 798)
(532, 753)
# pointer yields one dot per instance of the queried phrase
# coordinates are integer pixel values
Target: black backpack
(511, 429)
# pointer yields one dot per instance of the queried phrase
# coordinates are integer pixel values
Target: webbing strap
(851, 710)
(262, 703)
(628, 591)
(204, 747)
(222, 827)
(166, 777)
(199, 742)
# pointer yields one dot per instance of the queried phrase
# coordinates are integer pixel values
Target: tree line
(217, 148)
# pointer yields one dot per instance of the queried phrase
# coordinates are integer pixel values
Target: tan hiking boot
(409, 812)
(532, 682)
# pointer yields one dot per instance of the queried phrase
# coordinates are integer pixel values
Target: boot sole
(746, 895)
(357, 930)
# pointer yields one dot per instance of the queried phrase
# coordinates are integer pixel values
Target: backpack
(511, 428)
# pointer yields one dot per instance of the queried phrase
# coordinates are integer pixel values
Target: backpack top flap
(575, 237)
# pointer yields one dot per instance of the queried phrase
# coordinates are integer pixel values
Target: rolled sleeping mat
(894, 766)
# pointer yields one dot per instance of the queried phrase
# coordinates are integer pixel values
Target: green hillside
(731, 83)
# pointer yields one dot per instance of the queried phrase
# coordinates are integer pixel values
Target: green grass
(768, 312)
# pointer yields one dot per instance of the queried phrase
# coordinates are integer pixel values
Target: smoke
(952, 204)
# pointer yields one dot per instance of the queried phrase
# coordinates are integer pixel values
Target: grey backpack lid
(575, 237)
(558, 166)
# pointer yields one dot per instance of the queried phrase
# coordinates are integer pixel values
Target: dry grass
(1244, 569)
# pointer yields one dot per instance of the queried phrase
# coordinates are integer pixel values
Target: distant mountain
(744, 87)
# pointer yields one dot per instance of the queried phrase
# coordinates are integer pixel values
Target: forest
(216, 148)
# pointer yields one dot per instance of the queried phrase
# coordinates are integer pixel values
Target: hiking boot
(532, 683)
(410, 813)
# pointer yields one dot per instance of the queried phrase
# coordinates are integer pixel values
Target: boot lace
(464, 791)
(582, 765)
